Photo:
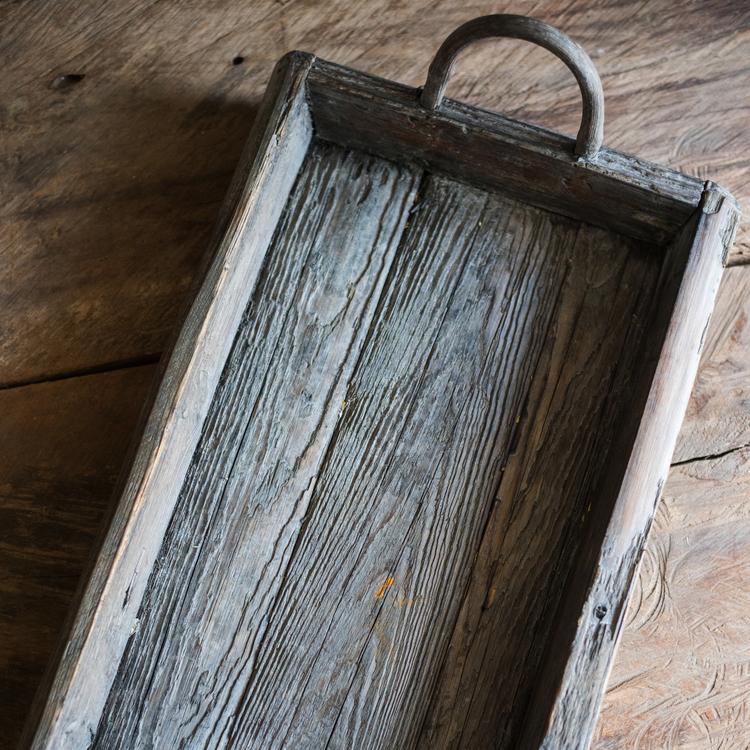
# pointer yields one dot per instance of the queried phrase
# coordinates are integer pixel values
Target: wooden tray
(397, 478)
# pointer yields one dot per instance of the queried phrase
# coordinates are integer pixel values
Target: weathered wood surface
(151, 135)
(506, 614)
(263, 180)
(311, 604)
(62, 447)
(251, 482)
(589, 622)
(152, 132)
(681, 679)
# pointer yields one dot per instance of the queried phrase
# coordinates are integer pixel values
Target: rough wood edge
(73, 699)
(579, 655)
(620, 192)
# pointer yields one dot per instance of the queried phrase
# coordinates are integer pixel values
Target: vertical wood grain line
(248, 486)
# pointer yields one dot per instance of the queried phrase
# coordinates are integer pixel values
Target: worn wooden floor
(119, 128)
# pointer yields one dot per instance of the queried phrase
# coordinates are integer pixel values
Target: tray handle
(591, 132)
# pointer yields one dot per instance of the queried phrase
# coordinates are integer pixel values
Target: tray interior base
(377, 524)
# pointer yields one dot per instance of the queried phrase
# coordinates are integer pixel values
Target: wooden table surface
(120, 124)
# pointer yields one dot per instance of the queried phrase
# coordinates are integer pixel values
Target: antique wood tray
(399, 471)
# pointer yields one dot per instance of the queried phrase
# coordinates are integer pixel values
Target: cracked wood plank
(321, 616)
(249, 486)
(530, 540)
(434, 405)
(159, 86)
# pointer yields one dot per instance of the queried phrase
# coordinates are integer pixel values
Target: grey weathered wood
(573, 410)
(390, 529)
(251, 482)
(587, 629)
(293, 558)
(70, 708)
(405, 491)
(616, 191)
(591, 132)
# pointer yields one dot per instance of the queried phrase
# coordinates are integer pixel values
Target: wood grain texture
(587, 626)
(426, 432)
(57, 474)
(152, 132)
(681, 679)
(545, 496)
(312, 602)
(249, 487)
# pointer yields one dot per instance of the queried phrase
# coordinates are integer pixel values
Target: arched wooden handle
(591, 132)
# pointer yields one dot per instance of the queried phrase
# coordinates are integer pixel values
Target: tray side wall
(614, 191)
(69, 709)
(571, 684)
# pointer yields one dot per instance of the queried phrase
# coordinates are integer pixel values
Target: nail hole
(238, 60)
(67, 80)
(600, 611)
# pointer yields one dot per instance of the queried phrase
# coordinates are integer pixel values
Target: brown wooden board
(151, 132)
(63, 444)
(680, 680)
(377, 389)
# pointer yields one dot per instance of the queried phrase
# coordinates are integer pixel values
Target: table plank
(112, 181)
(62, 445)
(681, 679)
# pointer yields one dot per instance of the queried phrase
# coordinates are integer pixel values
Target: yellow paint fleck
(489, 598)
(380, 593)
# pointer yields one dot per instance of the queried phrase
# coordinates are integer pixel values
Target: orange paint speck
(380, 593)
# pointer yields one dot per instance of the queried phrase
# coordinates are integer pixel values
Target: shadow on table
(102, 276)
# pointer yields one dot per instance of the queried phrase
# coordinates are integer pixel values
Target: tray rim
(68, 704)
(651, 175)
(621, 192)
